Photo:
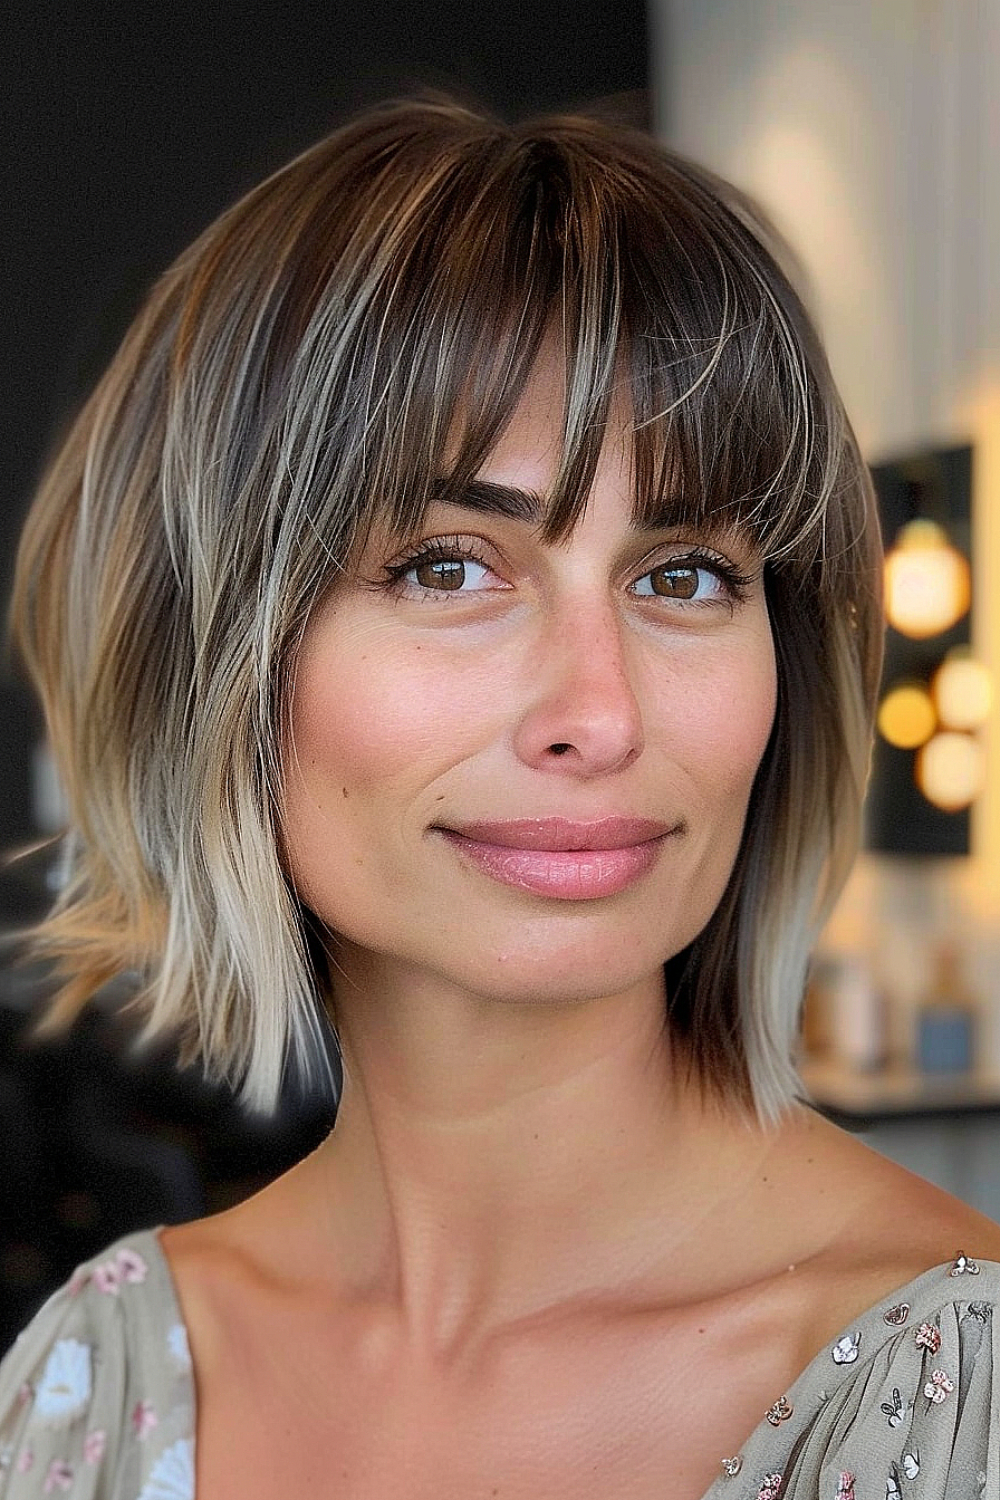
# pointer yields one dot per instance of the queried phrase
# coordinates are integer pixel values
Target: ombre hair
(299, 375)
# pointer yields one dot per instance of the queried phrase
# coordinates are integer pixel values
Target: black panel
(938, 487)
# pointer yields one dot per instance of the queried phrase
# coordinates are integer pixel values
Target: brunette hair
(299, 374)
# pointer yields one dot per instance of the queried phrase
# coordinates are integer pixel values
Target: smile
(562, 860)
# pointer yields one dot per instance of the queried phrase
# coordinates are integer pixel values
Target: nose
(584, 717)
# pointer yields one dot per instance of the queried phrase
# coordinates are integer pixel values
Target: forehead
(529, 452)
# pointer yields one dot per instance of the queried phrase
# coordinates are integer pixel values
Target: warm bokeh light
(963, 693)
(906, 716)
(928, 586)
(951, 770)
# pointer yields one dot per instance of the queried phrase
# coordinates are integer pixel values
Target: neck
(491, 1161)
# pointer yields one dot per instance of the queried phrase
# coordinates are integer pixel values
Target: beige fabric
(97, 1396)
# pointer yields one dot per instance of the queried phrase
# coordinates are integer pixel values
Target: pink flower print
(93, 1446)
(928, 1337)
(845, 1488)
(24, 1393)
(770, 1487)
(938, 1387)
(59, 1476)
(25, 1459)
(107, 1279)
(77, 1283)
(131, 1267)
(144, 1419)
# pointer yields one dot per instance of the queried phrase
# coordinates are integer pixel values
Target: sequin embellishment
(963, 1266)
(845, 1350)
(779, 1412)
(938, 1387)
(981, 1311)
(732, 1466)
(770, 1487)
(928, 1337)
(897, 1316)
(845, 1489)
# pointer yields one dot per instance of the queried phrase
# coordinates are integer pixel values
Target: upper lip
(563, 833)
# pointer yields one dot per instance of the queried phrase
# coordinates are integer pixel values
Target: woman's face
(523, 768)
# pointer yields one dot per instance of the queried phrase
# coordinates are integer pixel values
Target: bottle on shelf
(946, 1020)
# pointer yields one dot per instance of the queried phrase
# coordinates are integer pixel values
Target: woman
(458, 605)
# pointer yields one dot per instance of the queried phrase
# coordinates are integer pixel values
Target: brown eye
(440, 573)
(673, 582)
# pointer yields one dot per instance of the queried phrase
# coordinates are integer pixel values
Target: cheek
(373, 718)
(725, 717)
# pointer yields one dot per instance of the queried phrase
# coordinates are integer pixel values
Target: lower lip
(564, 875)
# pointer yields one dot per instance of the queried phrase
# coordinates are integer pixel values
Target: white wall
(865, 128)
(870, 130)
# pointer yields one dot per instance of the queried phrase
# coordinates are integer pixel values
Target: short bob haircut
(299, 374)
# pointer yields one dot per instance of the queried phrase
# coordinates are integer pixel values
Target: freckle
(701, 1330)
(345, 791)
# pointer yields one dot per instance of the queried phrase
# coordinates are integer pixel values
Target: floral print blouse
(97, 1396)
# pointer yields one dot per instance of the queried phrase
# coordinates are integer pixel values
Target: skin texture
(554, 683)
(529, 1245)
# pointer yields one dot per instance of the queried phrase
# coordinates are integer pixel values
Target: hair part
(341, 347)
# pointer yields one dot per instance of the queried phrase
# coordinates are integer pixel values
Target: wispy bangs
(657, 287)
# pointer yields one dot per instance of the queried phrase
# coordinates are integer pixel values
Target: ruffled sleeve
(905, 1405)
(96, 1396)
(918, 1419)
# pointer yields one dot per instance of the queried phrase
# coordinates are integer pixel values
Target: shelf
(836, 1089)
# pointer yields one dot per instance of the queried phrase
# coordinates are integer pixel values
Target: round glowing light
(928, 586)
(951, 770)
(906, 716)
(963, 693)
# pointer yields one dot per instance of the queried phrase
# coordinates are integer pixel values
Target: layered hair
(300, 374)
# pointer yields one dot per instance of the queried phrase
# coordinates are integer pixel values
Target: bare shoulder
(893, 1225)
(205, 1266)
(221, 1278)
(906, 1210)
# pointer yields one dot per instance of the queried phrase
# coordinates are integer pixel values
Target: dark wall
(127, 129)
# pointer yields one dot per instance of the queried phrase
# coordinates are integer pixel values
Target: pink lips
(559, 858)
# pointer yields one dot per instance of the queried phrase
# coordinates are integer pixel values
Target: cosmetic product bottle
(946, 1022)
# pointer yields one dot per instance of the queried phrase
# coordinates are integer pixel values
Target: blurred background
(869, 134)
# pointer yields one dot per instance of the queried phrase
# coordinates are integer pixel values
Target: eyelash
(462, 549)
(441, 549)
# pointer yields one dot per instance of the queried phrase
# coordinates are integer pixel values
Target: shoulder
(896, 1307)
(871, 1218)
(96, 1392)
(910, 1387)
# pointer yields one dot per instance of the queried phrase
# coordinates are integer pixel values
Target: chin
(515, 977)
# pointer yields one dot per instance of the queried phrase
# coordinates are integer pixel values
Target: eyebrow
(487, 497)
